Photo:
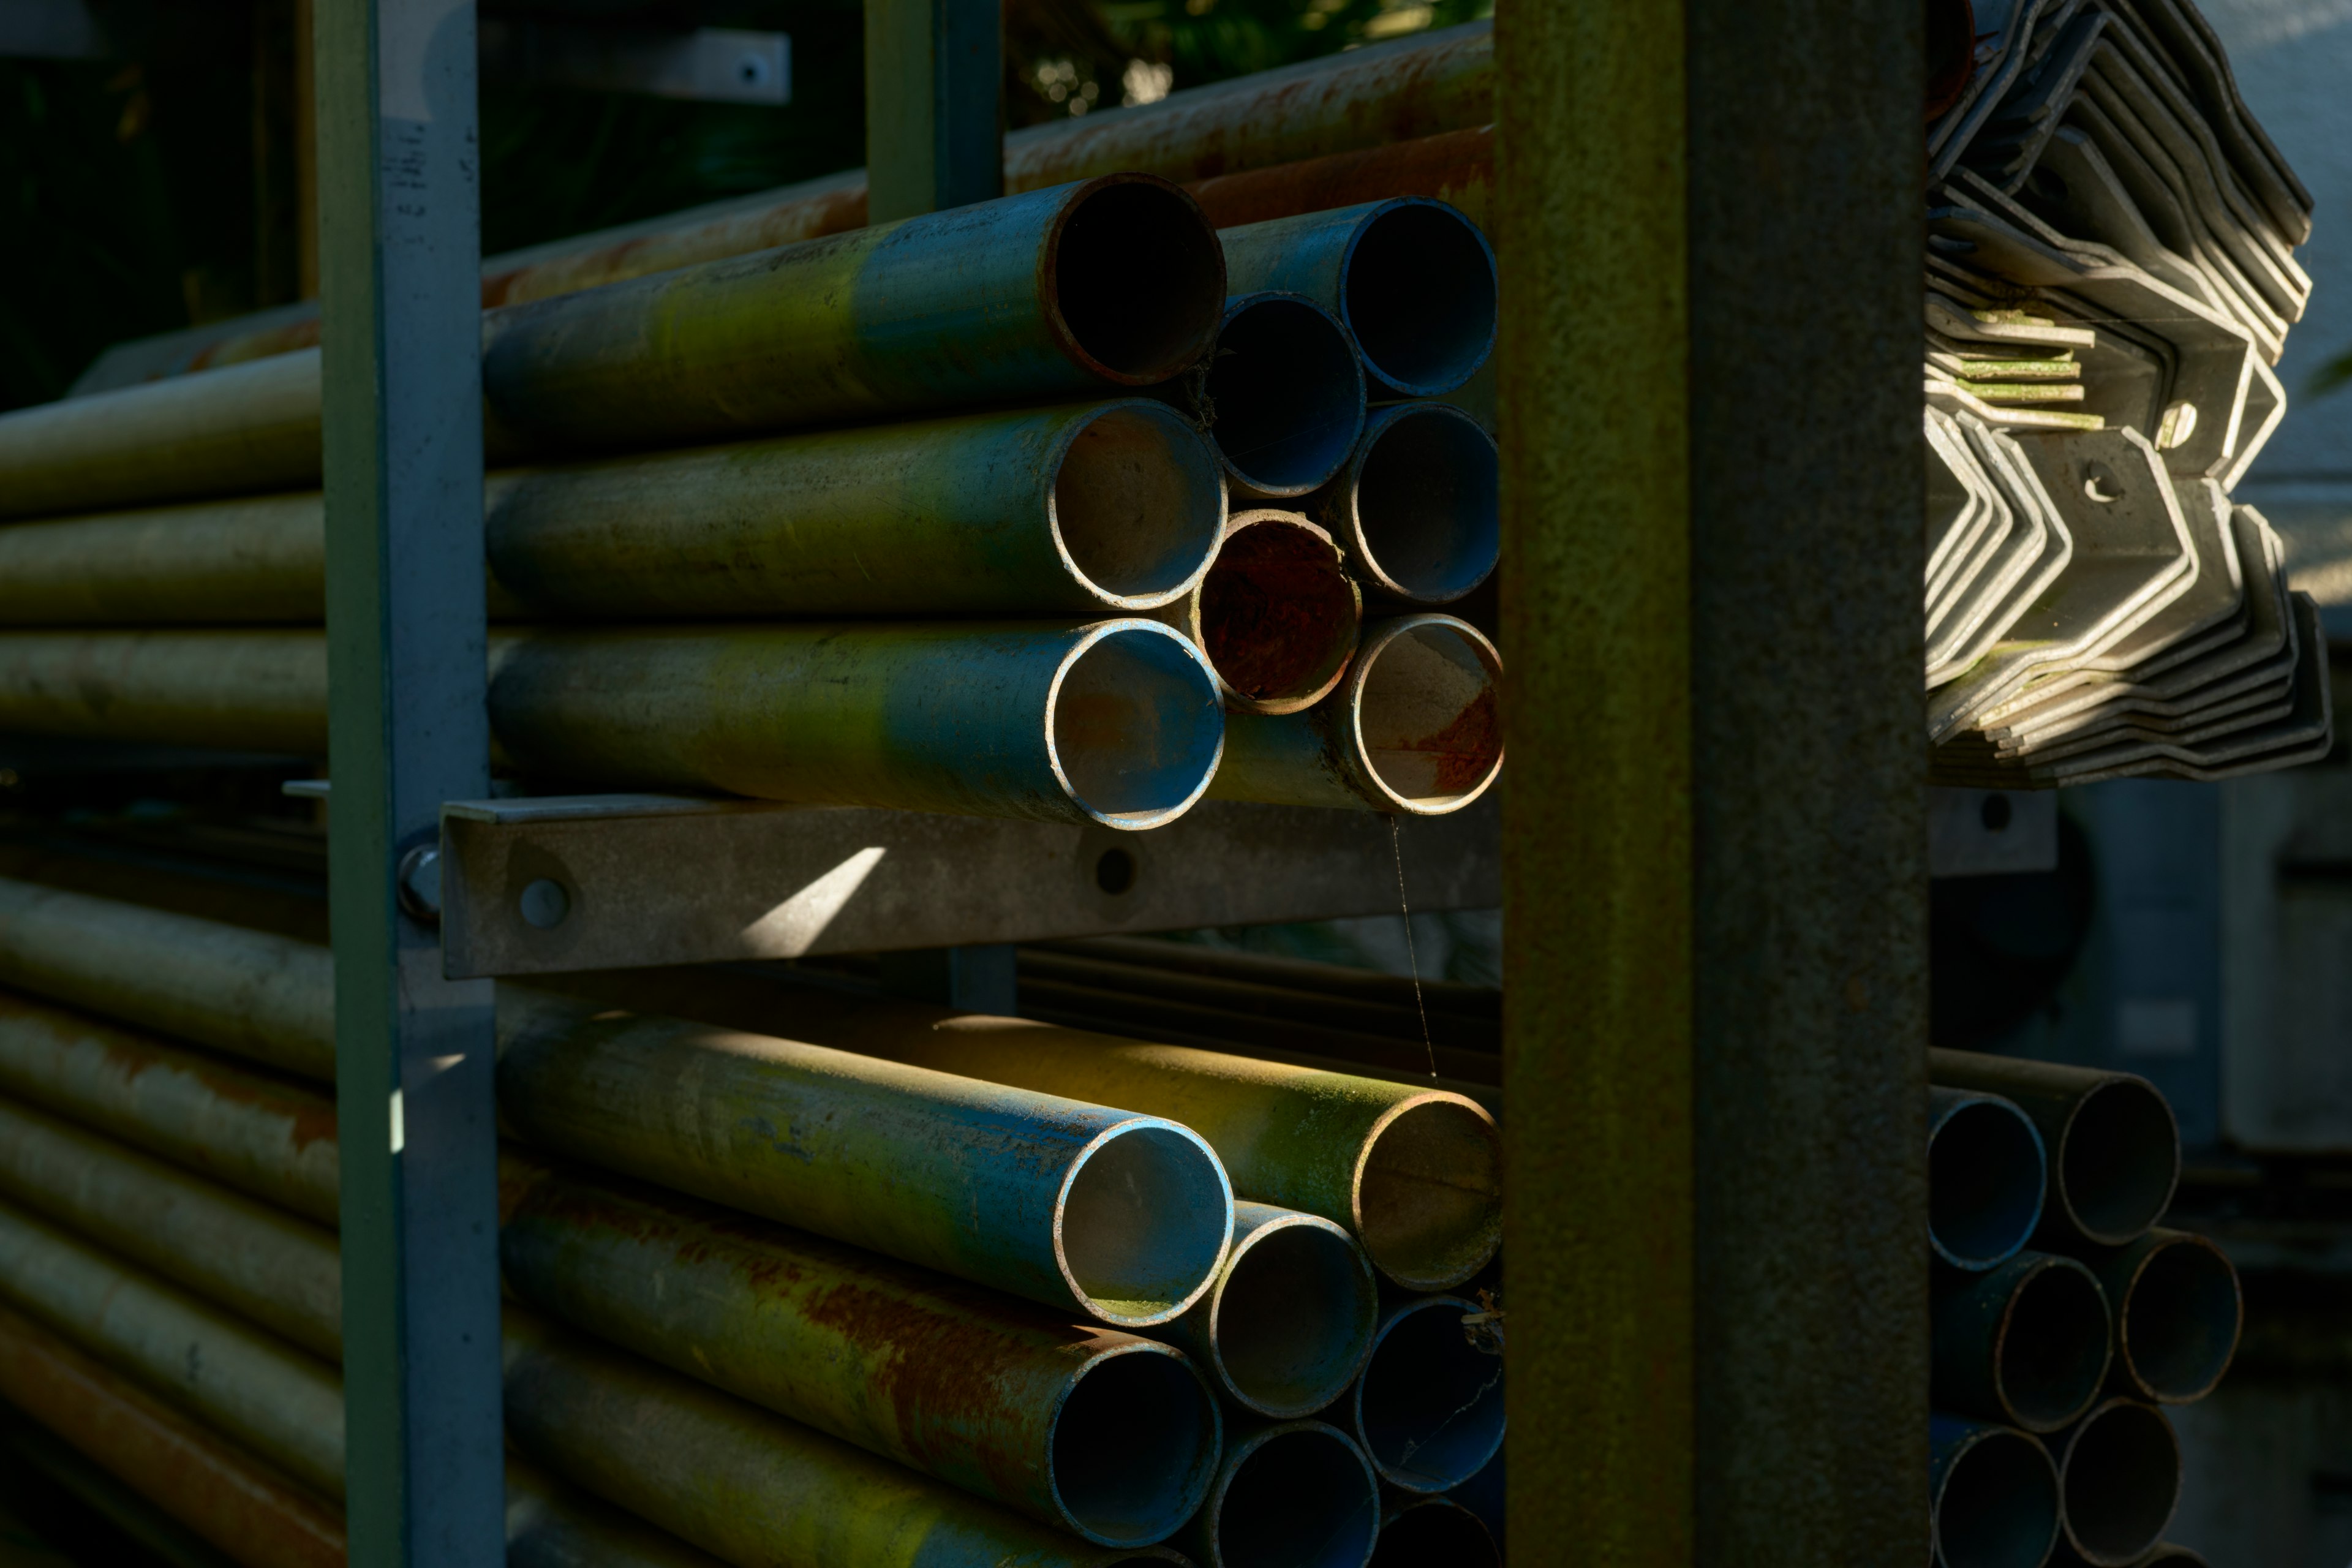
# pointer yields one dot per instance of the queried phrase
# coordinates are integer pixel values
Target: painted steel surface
(2112, 1145)
(1987, 1175)
(1298, 1493)
(2177, 1311)
(1993, 1495)
(1429, 1406)
(247, 690)
(1281, 395)
(1418, 507)
(1456, 168)
(2026, 1345)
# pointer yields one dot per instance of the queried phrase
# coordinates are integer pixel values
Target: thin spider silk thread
(1412, 959)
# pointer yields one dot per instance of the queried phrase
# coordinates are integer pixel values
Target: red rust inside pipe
(1272, 609)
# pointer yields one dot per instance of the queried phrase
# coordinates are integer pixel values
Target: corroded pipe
(2114, 1148)
(2119, 1475)
(1456, 168)
(1288, 1324)
(1418, 507)
(1294, 1493)
(1275, 614)
(1986, 1177)
(2025, 1344)
(1992, 1498)
(1281, 395)
(1122, 1216)
(2177, 1313)
(1414, 727)
(1429, 1407)
(1434, 1533)
(1096, 1431)
(1412, 280)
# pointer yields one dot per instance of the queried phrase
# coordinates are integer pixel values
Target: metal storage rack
(1713, 852)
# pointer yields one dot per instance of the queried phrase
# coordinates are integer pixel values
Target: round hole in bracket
(1115, 871)
(545, 903)
(2099, 483)
(1994, 812)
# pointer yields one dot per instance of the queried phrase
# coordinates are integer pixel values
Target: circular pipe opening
(1985, 1179)
(1292, 1320)
(1278, 614)
(2121, 1479)
(2181, 1319)
(1998, 1504)
(1435, 1533)
(1429, 1193)
(2053, 1351)
(1428, 718)
(1137, 279)
(1420, 295)
(1295, 1496)
(1284, 396)
(1422, 504)
(2119, 1161)
(1138, 504)
(1429, 1407)
(1133, 723)
(1134, 1447)
(1144, 1218)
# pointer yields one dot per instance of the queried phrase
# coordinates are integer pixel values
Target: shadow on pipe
(2178, 1315)
(1485, 1493)
(1994, 1496)
(1429, 1408)
(1434, 1533)
(1281, 395)
(1289, 1322)
(2114, 1149)
(1277, 614)
(2027, 1343)
(1294, 1494)
(1986, 1177)
(1418, 507)
(2119, 1471)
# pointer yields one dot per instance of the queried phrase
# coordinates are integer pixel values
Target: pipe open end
(1137, 279)
(1429, 1408)
(2053, 1348)
(1279, 615)
(1298, 1496)
(1985, 1179)
(1428, 718)
(1429, 1193)
(1134, 726)
(1135, 1447)
(1293, 1321)
(2118, 1160)
(2121, 1479)
(1998, 1505)
(2180, 1319)
(1144, 1218)
(1284, 398)
(1421, 505)
(1435, 1533)
(1421, 296)
(1138, 504)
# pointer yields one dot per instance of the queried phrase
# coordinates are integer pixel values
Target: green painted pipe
(550, 1525)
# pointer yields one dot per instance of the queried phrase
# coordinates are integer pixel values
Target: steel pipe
(1414, 727)
(1277, 614)
(1288, 1324)
(1429, 1407)
(1418, 507)
(1294, 1494)
(257, 559)
(750, 1486)
(2178, 1556)
(1281, 395)
(248, 1511)
(1994, 1496)
(2178, 1314)
(247, 690)
(1456, 168)
(1099, 1433)
(1412, 280)
(550, 1525)
(2026, 1345)
(1986, 1177)
(1121, 1216)
(1434, 1533)
(2114, 1148)
(1439, 997)
(1483, 1494)
(2119, 1476)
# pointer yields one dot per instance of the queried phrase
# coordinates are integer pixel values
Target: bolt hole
(545, 903)
(2100, 484)
(1115, 871)
(1995, 813)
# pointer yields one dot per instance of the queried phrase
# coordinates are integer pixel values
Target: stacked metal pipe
(2110, 278)
(2065, 1319)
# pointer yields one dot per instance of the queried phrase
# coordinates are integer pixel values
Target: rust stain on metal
(1455, 166)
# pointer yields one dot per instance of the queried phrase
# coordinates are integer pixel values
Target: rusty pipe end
(1424, 714)
(1134, 1446)
(1418, 291)
(1134, 278)
(2119, 1475)
(2117, 1161)
(1133, 725)
(1297, 1494)
(1429, 1407)
(1136, 504)
(1276, 613)
(1428, 1198)
(1142, 1222)
(2052, 1343)
(2179, 1320)
(1986, 1175)
(1283, 397)
(1994, 1498)
(1291, 1319)
(1419, 507)
(1434, 1533)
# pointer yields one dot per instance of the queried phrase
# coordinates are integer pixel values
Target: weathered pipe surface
(2177, 1313)
(254, 1388)
(1276, 613)
(1115, 722)
(1456, 168)
(1412, 280)
(1994, 1497)
(2026, 1345)
(247, 690)
(1413, 727)
(1111, 1436)
(2114, 1149)
(1434, 1533)
(1429, 1407)
(1414, 1174)
(1418, 507)
(1282, 395)
(1289, 1322)
(550, 1525)
(257, 1261)
(248, 1511)
(750, 1486)
(2119, 1474)
(266, 998)
(1293, 1494)
(257, 559)
(1483, 1494)
(1108, 282)
(1986, 1177)
(265, 1137)
(1121, 1216)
